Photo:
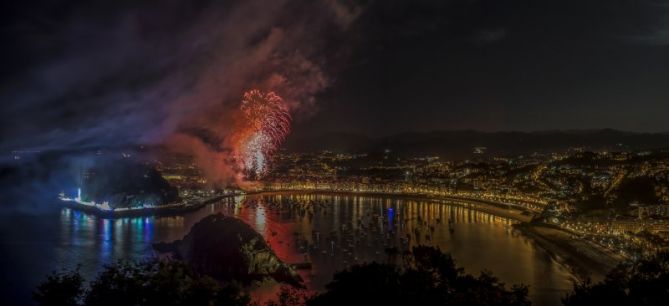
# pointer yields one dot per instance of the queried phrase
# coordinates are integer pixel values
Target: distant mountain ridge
(461, 143)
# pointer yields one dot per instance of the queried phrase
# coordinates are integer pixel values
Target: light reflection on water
(297, 231)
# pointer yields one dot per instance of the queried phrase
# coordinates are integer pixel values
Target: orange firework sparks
(266, 123)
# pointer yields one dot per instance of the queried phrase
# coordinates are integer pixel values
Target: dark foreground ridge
(428, 277)
(228, 249)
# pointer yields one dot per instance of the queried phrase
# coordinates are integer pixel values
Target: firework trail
(265, 125)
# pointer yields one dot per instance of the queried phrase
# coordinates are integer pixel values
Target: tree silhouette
(642, 282)
(149, 283)
(428, 277)
(432, 278)
(60, 289)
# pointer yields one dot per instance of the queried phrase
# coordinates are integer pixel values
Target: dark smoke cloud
(129, 72)
(85, 75)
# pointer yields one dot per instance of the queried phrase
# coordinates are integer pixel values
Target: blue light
(391, 217)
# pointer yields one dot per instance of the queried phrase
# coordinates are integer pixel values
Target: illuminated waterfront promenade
(521, 202)
(619, 238)
(105, 209)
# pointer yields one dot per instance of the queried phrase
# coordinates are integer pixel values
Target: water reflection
(97, 241)
(331, 232)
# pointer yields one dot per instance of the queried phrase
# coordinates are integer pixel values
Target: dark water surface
(329, 231)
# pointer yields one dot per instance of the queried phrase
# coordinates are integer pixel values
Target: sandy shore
(585, 259)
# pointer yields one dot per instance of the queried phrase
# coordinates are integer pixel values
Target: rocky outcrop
(228, 249)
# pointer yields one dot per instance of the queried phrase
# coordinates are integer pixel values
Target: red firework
(266, 123)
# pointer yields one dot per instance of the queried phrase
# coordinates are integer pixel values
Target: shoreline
(497, 209)
(166, 210)
(584, 259)
(581, 258)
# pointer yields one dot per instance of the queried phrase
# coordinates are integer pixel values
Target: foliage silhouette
(644, 283)
(431, 278)
(149, 283)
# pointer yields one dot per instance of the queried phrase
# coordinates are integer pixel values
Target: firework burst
(266, 123)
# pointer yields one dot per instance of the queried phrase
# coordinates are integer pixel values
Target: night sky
(505, 65)
(104, 73)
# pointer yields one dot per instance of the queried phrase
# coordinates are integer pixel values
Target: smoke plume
(155, 72)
